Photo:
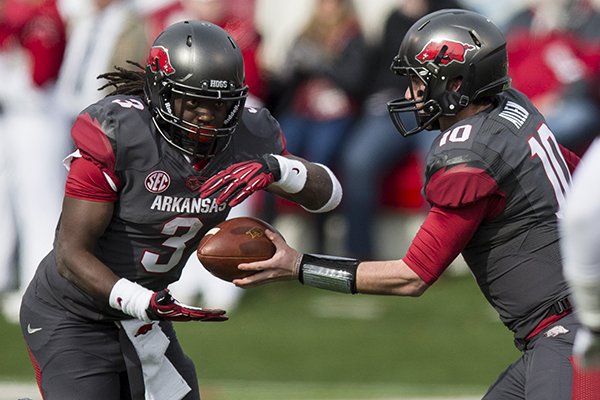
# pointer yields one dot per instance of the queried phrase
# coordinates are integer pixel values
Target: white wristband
(336, 193)
(293, 175)
(131, 298)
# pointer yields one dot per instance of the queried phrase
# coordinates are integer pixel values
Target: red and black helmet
(444, 46)
(195, 59)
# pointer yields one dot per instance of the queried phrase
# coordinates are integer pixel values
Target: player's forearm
(320, 190)
(82, 223)
(86, 272)
(349, 275)
(389, 278)
(342, 274)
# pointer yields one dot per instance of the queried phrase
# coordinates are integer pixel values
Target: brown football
(232, 242)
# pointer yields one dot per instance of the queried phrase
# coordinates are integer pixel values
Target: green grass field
(286, 341)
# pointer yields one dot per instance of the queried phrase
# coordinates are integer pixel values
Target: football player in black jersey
(495, 179)
(97, 317)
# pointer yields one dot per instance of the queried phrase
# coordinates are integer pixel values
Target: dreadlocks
(125, 81)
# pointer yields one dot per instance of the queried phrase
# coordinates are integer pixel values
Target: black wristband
(329, 272)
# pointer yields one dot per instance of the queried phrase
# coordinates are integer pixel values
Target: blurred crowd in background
(320, 66)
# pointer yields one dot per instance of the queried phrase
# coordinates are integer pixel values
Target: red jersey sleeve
(459, 185)
(92, 173)
(89, 137)
(444, 234)
(87, 181)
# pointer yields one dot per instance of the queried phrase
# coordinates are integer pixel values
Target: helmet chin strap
(453, 102)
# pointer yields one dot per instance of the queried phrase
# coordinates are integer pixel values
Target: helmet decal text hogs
(158, 60)
(455, 51)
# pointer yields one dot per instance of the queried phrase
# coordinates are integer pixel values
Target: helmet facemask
(198, 140)
(425, 108)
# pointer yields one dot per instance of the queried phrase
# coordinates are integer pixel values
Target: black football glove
(164, 307)
(240, 180)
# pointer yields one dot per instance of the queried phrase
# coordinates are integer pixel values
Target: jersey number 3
(180, 230)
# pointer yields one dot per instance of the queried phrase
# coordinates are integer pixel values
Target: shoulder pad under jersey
(258, 132)
(112, 125)
(459, 171)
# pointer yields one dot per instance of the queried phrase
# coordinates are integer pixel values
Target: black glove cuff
(272, 166)
(329, 272)
(160, 298)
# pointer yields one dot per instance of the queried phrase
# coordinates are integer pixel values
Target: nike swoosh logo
(296, 170)
(31, 330)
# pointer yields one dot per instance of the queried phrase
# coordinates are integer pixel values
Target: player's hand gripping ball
(233, 242)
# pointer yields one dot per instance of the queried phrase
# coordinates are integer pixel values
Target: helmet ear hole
(454, 84)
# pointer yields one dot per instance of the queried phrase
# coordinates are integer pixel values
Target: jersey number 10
(546, 149)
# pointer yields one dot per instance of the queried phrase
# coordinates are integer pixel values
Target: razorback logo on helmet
(157, 181)
(158, 60)
(455, 51)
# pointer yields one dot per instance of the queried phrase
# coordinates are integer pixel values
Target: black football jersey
(507, 151)
(159, 217)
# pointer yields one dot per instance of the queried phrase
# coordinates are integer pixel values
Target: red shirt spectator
(37, 27)
(554, 53)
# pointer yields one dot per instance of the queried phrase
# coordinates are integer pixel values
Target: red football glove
(240, 180)
(164, 307)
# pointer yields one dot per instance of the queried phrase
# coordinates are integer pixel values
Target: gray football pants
(82, 359)
(544, 371)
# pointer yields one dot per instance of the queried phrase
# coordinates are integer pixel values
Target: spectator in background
(32, 43)
(554, 48)
(316, 94)
(106, 37)
(322, 79)
(362, 174)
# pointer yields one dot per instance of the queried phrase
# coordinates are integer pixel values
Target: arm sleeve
(444, 234)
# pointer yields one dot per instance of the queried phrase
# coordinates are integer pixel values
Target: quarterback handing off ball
(232, 242)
